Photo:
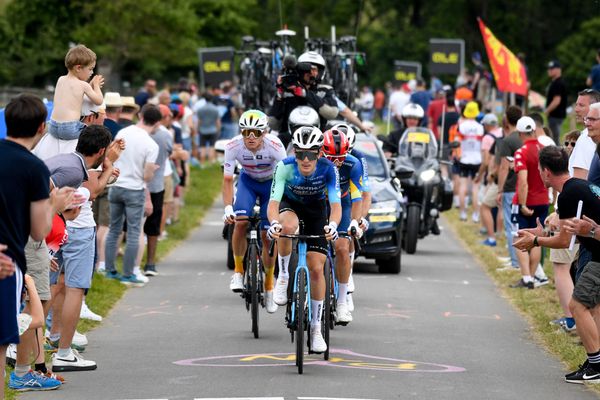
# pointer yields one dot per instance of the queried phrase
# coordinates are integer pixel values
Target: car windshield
(417, 143)
(375, 160)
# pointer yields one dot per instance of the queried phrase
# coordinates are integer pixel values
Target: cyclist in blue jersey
(257, 153)
(302, 185)
(335, 148)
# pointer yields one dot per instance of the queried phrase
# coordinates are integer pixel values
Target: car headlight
(427, 175)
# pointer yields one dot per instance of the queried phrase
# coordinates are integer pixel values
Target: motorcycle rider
(307, 90)
(412, 116)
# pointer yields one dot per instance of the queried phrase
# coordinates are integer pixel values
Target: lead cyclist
(258, 153)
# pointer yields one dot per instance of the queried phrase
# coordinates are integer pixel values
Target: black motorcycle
(426, 193)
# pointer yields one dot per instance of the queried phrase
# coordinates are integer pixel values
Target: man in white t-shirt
(583, 152)
(127, 196)
(471, 134)
(398, 99)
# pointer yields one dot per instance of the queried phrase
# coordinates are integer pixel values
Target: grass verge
(105, 293)
(538, 306)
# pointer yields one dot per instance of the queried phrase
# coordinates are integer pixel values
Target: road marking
(448, 314)
(331, 398)
(238, 398)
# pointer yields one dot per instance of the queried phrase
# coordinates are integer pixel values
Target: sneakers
(269, 303)
(139, 276)
(237, 283)
(538, 282)
(475, 217)
(342, 314)
(584, 374)
(317, 343)
(131, 281)
(32, 381)
(73, 363)
(280, 295)
(522, 284)
(113, 275)
(504, 260)
(489, 242)
(350, 302)
(150, 270)
(463, 216)
(11, 355)
(564, 324)
(50, 375)
(86, 313)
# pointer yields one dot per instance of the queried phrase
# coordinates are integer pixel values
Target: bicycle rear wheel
(254, 290)
(325, 323)
(300, 319)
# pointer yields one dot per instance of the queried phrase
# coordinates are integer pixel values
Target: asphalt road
(439, 330)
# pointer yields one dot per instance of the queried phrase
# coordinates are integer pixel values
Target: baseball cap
(489, 119)
(553, 64)
(525, 124)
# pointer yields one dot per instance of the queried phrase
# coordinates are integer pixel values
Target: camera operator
(298, 86)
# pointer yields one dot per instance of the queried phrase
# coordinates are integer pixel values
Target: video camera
(292, 71)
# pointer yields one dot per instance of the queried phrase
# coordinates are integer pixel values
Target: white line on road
(330, 398)
(239, 398)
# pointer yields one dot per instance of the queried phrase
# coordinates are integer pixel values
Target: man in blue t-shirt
(593, 79)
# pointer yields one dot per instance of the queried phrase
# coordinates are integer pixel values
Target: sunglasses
(572, 144)
(336, 159)
(311, 155)
(255, 132)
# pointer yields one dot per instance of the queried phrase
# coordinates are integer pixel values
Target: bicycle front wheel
(300, 319)
(254, 289)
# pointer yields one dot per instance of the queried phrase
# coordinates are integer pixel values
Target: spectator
(422, 97)
(470, 132)
(114, 105)
(556, 100)
(593, 80)
(540, 132)
(583, 152)
(450, 119)
(146, 93)
(436, 108)
(593, 126)
(227, 111)
(399, 98)
(137, 165)
(366, 103)
(128, 112)
(379, 103)
(209, 126)
(570, 141)
(68, 95)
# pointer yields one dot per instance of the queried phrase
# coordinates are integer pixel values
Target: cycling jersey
(351, 174)
(259, 165)
(323, 183)
(471, 133)
(366, 187)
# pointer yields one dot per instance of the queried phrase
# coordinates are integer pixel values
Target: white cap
(525, 124)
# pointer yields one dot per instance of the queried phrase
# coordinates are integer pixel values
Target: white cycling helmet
(308, 138)
(412, 110)
(254, 119)
(349, 132)
(303, 116)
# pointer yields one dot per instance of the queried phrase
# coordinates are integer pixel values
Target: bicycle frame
(301, 266)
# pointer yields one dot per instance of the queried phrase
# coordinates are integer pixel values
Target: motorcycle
(426, 192)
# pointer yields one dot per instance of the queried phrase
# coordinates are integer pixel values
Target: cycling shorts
(314, 215)
(248, 190)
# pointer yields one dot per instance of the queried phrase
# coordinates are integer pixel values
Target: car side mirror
(404, 172)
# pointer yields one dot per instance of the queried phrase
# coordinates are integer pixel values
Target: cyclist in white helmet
(258, 153)
(302, 185)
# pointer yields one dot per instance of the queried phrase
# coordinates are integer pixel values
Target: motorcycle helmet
(314, 58)
(254, 119)
(412, 110)
(303, 116)
(348, 132)
(308, 138)
(335, 145)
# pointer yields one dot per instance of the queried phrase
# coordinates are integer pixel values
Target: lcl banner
(216, 65)
(446, 56)
(404, 71)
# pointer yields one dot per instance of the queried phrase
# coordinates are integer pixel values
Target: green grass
(105, 293)
(538, 306)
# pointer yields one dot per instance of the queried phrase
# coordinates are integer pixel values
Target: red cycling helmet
(335, 145)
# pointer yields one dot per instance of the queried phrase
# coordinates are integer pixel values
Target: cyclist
(366, 200)
(412, 116)
(258, 153)
(302, 184)
(299, 117)
(335, 148)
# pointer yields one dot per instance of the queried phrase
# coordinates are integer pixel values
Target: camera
(292, 71)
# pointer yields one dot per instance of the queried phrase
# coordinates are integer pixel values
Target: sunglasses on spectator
(572, 144)
(255, 132)
(311, 155)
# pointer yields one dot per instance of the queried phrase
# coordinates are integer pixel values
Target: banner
(446, 56)
(510, 75)
(216, 65)
(404, 71)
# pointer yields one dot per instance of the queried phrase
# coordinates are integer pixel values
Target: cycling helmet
(308, 138)
(303, 116)
(335, 145)
(412, 110)
(254, 119)
(314, 58)
(348, 132)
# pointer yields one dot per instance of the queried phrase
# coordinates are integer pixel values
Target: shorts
(248, 190)
(564, 256)
(540, 212)
(314, 216)
(69, 130)
(38, 266)
(489, 198)
(78, 257)
(152, 224)
(101, 209)
(455, 167)
(208, 140)
(11, 289)
(587, 288)
(468, 170)
(169, 191)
